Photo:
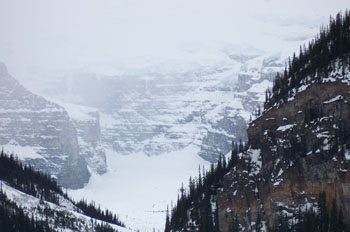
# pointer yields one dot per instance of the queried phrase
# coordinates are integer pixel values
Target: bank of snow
(139, 188)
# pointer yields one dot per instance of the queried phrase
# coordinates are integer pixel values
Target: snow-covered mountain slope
(157, 128)
(163, 120)
(54, 214)
(30, 200)
(157, 112)
(42, 130)
(163, 75)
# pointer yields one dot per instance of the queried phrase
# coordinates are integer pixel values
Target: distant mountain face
(42, 133)
(160, 112)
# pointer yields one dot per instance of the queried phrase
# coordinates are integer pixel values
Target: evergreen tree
(334, 217)
(340, 223)
(167, 221)
(258, 223)
(323, 218)
(315, 62)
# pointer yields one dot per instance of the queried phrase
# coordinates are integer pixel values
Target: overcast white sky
(43, 36)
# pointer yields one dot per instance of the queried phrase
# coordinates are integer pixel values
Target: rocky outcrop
(298, 149)
(40, 133)
(87, 123)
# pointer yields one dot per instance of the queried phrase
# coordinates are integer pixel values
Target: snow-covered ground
(139, 188)
(22, 152)
(31, 206)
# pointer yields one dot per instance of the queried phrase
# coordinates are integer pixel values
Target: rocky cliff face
(40, 132)
(158, 112)
(87, 123)
(296, 150)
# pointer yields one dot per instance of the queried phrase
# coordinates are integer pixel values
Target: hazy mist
(47, 38)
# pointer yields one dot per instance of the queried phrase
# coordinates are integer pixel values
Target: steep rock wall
(40, 132)
(297, 150)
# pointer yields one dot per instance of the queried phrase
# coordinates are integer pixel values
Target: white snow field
(139, 188)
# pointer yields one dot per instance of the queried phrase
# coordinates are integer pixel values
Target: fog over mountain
(41, 38)
(152, 88)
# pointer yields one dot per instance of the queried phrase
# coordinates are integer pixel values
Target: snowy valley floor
(139, 188)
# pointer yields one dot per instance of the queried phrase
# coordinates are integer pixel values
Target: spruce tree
(334, 216)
